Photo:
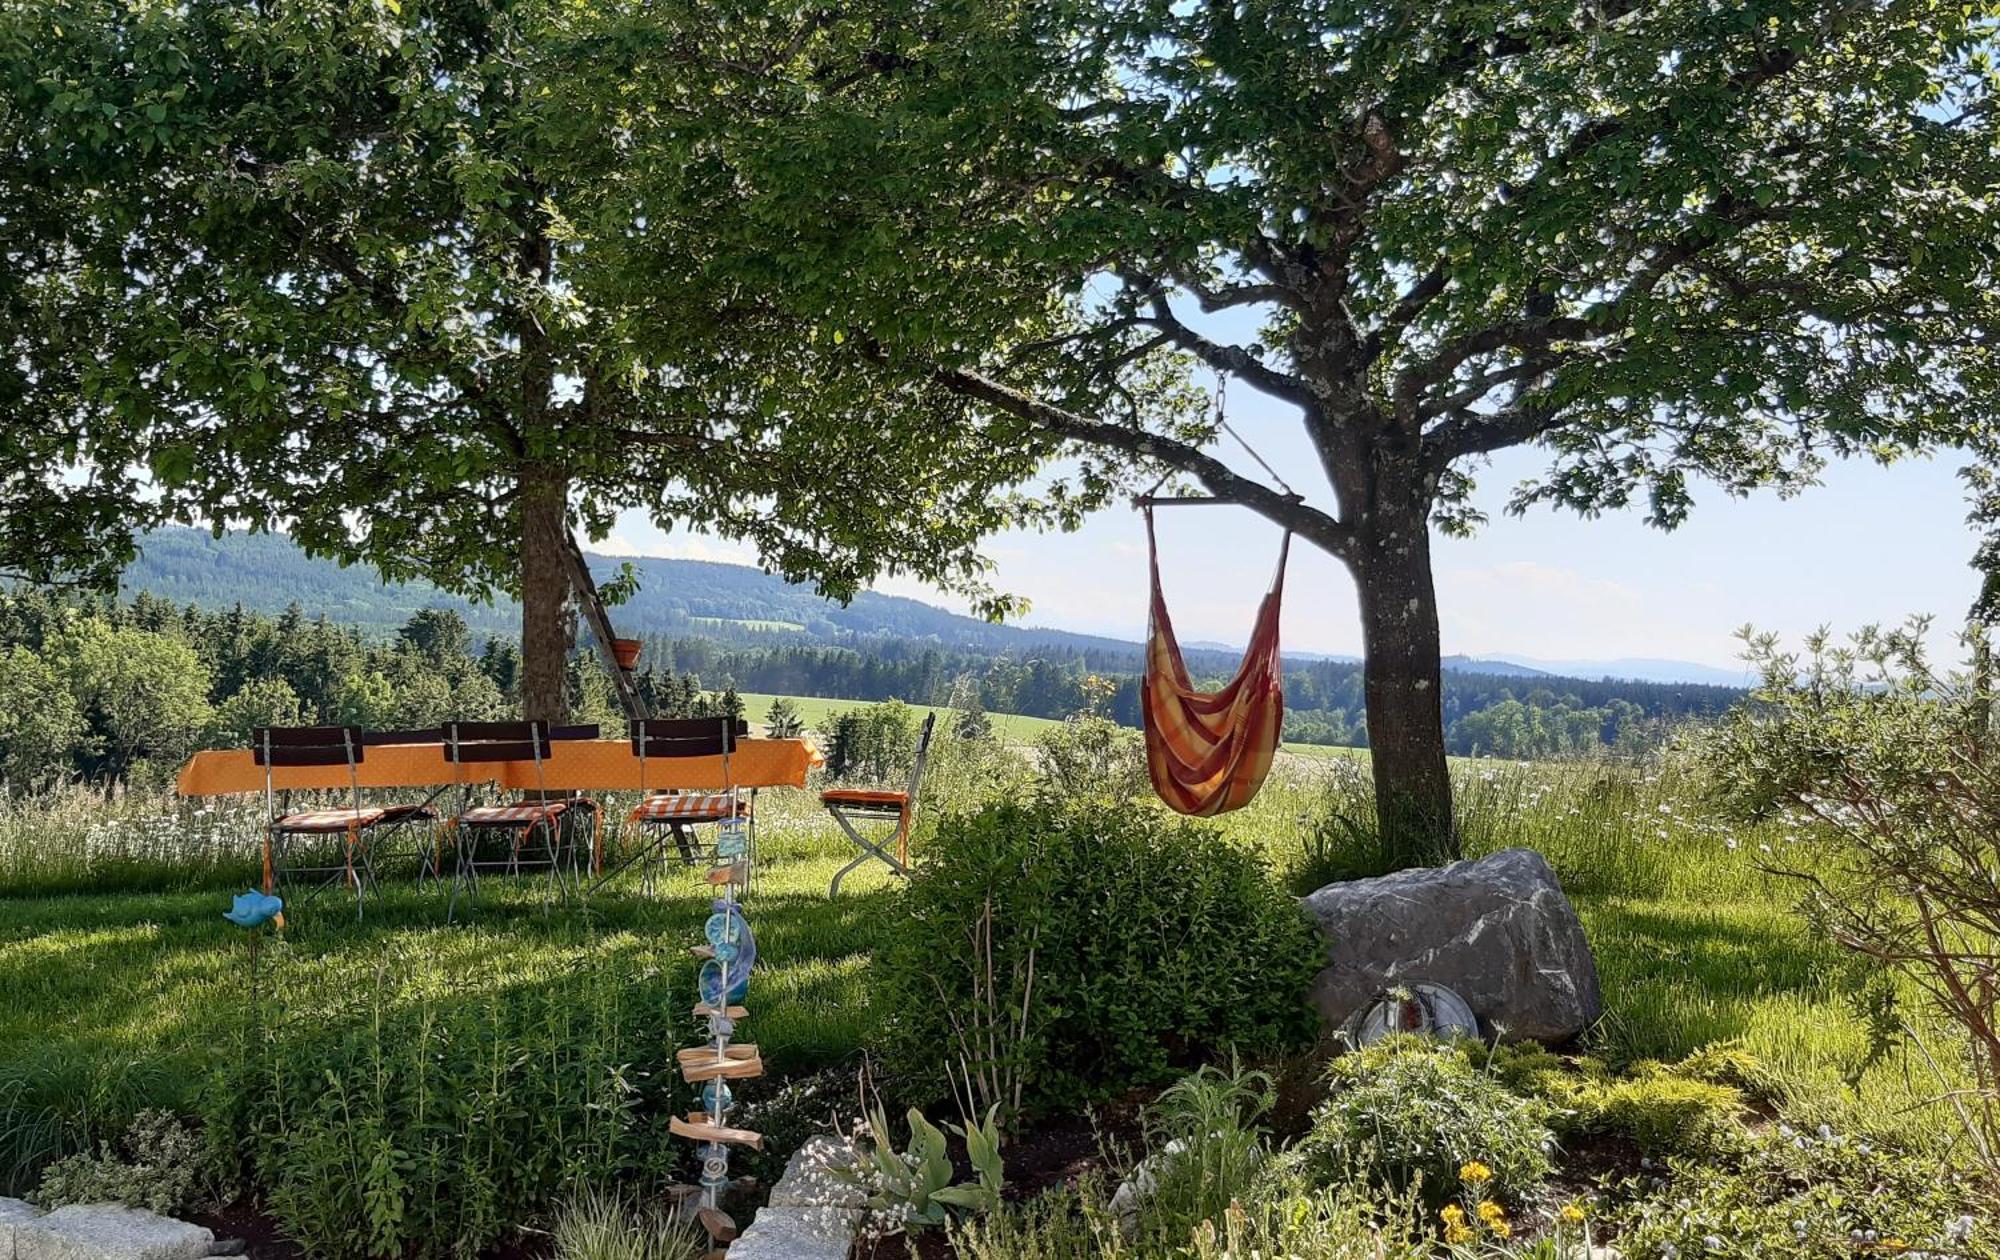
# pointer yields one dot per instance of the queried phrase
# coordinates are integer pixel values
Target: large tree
(328, 266)
(1661, 241)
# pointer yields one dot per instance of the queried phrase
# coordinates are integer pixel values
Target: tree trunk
(546, 623)
(1403, 676)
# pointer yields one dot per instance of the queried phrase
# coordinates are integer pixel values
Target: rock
(1498, 931)
(809, 1179)
(14, 1212)
(812, 1214)
(109, 1231)
(796, 1233)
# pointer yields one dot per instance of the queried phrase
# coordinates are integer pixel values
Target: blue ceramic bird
(251, 908)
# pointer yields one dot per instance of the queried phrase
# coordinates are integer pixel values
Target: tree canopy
(1663, 242)
(334, 268)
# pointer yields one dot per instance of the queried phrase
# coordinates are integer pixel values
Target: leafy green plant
(1207, 1148)
(1411, 1115)
(1066, 1222)
(159, 1165)
(1679, 1108)
(1058, 953)
(916, 1188)
(378, 1126)
(1885, 765)
(1811, 1195)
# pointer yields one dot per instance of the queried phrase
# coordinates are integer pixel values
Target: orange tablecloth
(598, 765)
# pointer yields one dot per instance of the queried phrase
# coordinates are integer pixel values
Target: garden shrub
(600, 1225)
(1879, 764)
(1207, 1151)
(1664, 1112)
(1682, 1108)
(1057, 953)
(159, 1165)
(1410, 1115)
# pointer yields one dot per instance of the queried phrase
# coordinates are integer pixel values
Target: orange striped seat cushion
(341, 819)
(690, 807)
(524, 812)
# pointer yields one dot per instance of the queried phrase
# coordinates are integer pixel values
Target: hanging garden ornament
(729, 935)
(732, 838)
(716, 1097)
(711, 980)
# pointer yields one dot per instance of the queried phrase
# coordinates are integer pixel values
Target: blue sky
(1869, 544)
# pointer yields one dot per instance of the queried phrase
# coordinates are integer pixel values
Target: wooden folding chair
(286, 833)
(852, 806)
(537, 814)
(671, 815)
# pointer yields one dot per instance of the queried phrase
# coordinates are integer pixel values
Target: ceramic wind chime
(727, 960)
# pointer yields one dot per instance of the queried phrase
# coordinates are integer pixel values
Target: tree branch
(1221, 481)
(1233, 360)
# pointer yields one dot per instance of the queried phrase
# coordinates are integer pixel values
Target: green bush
(159, 1166)
(1053, 954)
(1409, 1115)
(1208, 1150)
(1665, 1109)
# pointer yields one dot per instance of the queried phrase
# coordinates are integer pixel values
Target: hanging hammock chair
(1209, 751)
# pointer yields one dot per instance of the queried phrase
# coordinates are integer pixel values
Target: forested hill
(728, 602)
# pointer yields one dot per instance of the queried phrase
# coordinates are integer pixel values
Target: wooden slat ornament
(728, 959)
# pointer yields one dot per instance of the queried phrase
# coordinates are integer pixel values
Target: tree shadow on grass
(1677, 977)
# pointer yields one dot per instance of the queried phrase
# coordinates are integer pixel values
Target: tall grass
(70, 839)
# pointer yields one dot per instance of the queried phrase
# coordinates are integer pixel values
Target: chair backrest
(917, 762)
(307, 746)
(469, 742)
(686, 737)
(273, 746)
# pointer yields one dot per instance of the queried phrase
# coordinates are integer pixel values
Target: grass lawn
(115, 1001)
(1012, 727)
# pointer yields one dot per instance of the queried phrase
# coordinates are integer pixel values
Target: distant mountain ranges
(695, 598)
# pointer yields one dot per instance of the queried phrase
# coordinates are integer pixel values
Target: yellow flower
(1494, 1218)
(1455, 1228)
(1474, 1173)
(1572, 1214)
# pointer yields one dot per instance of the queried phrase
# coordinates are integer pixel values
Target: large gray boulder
(1497, 931)
(109, 1231)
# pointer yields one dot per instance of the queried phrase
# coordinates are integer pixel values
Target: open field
(1013, 727)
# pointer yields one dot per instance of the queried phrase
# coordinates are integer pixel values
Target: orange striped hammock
(1209, 751)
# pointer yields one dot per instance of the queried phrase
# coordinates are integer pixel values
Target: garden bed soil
(263, 1238)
